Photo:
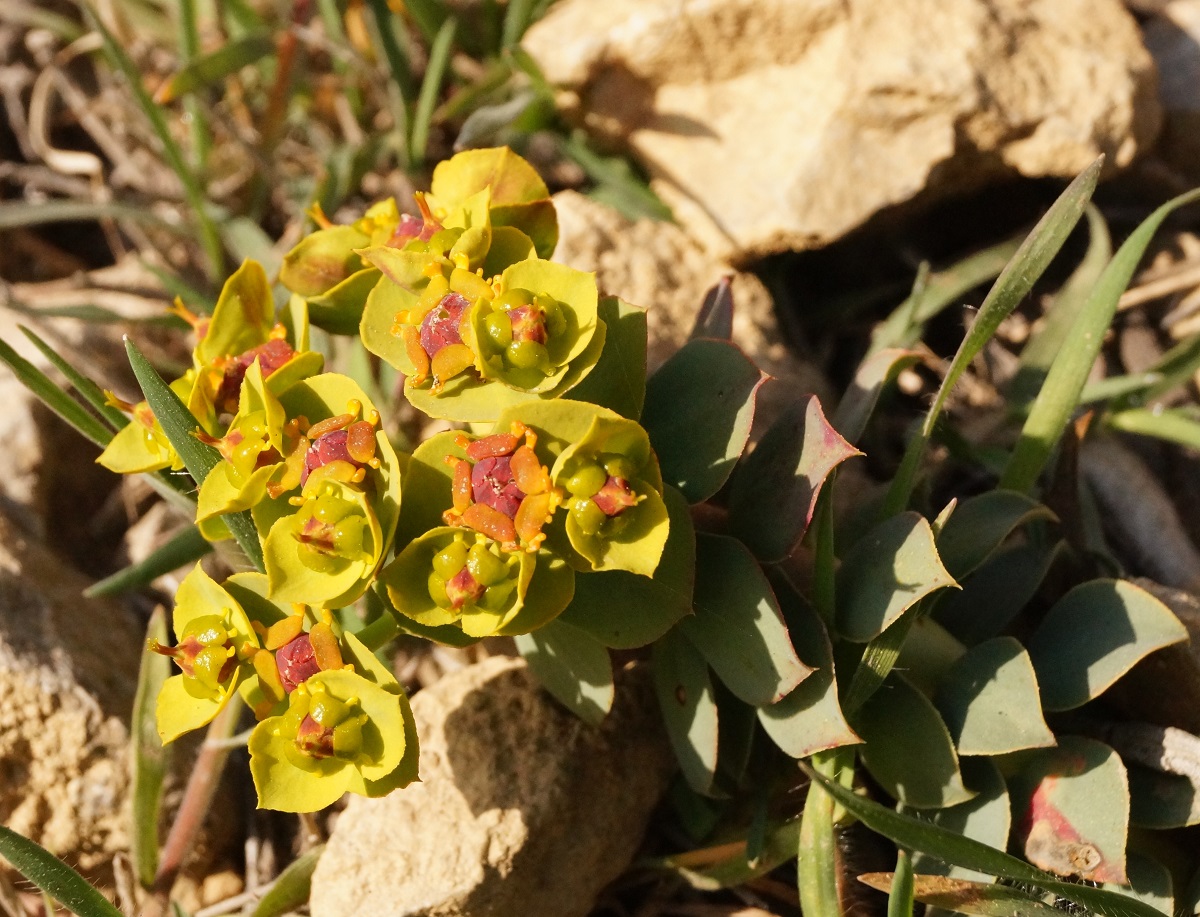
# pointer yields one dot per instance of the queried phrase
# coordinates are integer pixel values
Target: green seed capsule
(318, 560)
(499, 329)
(448, 561)
(207, 630)
(587, 480)
(327, 711)
(511, 299)
(348, 535)
(485, 566)
(588, 516)
(497, 596)
(619, 466)
(206, 667)
(347, 738)
(437, 591)
(527, 355)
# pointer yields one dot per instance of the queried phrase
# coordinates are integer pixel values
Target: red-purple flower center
(492, 484)
(271, 355)
(412, 227)
(296, 662)
(463, 588)
(528, 324)
(440, 327)
(329, 447)
(314, 739)
(615, 496)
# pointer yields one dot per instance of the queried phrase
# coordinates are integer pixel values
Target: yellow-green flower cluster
(494, 525)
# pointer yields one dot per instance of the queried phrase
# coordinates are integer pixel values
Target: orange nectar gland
(199, 323)
(340, 448)
(501, 489)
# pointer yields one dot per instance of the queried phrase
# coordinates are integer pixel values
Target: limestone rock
(522, 809)
(1172, 37)
(658, 266)
(783, 124)
(68, 672)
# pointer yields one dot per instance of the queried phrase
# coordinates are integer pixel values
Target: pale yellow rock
(68, 670)
(522, 809)
(783, 124)
(659, 267)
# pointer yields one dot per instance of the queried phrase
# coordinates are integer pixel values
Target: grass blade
(1013, 284)
(435, 73)
(15, 214)
(291, 889)
(184, 547)
(178, 424)
(1172, 425)
(928, 838)
(149, 754)
(88, 390)
(392, 51)
(1059, 395)
(54, 877)
(189, 48)
(429, 16)
(54, 397)
(900, 898)
(1038, 355)
(209, 69)
(616, 183)
(209, 238)
(934, 292)
(517, 18)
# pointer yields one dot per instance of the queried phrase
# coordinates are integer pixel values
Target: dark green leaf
(573, 666)
(917, 835)
(738, 625)
(1072, 802)
(889, 570)
(179, 425)
(774, 489)
(995, 593)
(685, 694)
(618, 380)
(809, 719)
(908, 749)
(54, 397)
(990, 701)
(980, 525)
(53, 876)
(1095, 634)
(184, 547)
(986, 818)
(699, 407)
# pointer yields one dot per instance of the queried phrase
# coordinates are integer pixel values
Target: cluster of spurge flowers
(480, 532)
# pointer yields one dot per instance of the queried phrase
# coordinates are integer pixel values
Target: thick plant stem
(197, 796)
(818, 865)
